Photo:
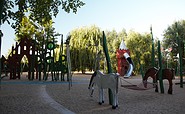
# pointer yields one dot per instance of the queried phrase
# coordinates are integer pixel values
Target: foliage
(41, 11)
(30, 30)
(26, 29)
(84, 45)
(86, 41)
(113, 41)
(6, 9)
(140, 46)
(83, 49)
(170, 41)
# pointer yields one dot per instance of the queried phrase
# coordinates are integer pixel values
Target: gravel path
(34, 97)
(23, 99)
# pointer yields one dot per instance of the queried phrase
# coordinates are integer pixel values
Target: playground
(71, 94)
(87, 72)
(24, 96)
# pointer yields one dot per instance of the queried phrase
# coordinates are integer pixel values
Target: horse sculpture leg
(169, 75)
(101, 96)
(156, 84)
(115, 99)
(156, 87)
(170, 86)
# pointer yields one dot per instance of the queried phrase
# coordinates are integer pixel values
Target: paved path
(34, 97)
(61, 109)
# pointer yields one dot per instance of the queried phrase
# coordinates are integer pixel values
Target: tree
(170, 36)
(140, 46)
(84, 45)
(30, 30)
(170, 40)
(85, 40)
(40, 11)
(6, 11)
(113, 41)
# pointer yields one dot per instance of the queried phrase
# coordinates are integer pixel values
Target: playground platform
(47, 97)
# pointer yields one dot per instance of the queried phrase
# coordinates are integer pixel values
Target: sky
(137, 15)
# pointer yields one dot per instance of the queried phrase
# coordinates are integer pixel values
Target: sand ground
(47, 97)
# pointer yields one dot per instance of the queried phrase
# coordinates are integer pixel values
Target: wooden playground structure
(40, 60)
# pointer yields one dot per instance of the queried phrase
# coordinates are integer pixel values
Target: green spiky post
(105, 49)
(153, 56)
(1, 11)
(180, 56)
(160, 69)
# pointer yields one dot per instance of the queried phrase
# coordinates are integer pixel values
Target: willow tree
(84, 46)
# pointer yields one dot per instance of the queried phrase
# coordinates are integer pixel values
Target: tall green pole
(160, 68)
(153, 55)
(1, 34)
(180, 56)
(61, 53)
(53, 61)
(141, 66)
(105, 49)
(0, 55)
(44, 58)
(33, 58)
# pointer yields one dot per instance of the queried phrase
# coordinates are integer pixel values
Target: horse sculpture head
(152, 72)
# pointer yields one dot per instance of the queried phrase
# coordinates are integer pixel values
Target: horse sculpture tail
(117, 81)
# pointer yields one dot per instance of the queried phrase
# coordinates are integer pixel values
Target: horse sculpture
(154, 74)
(105, 81)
